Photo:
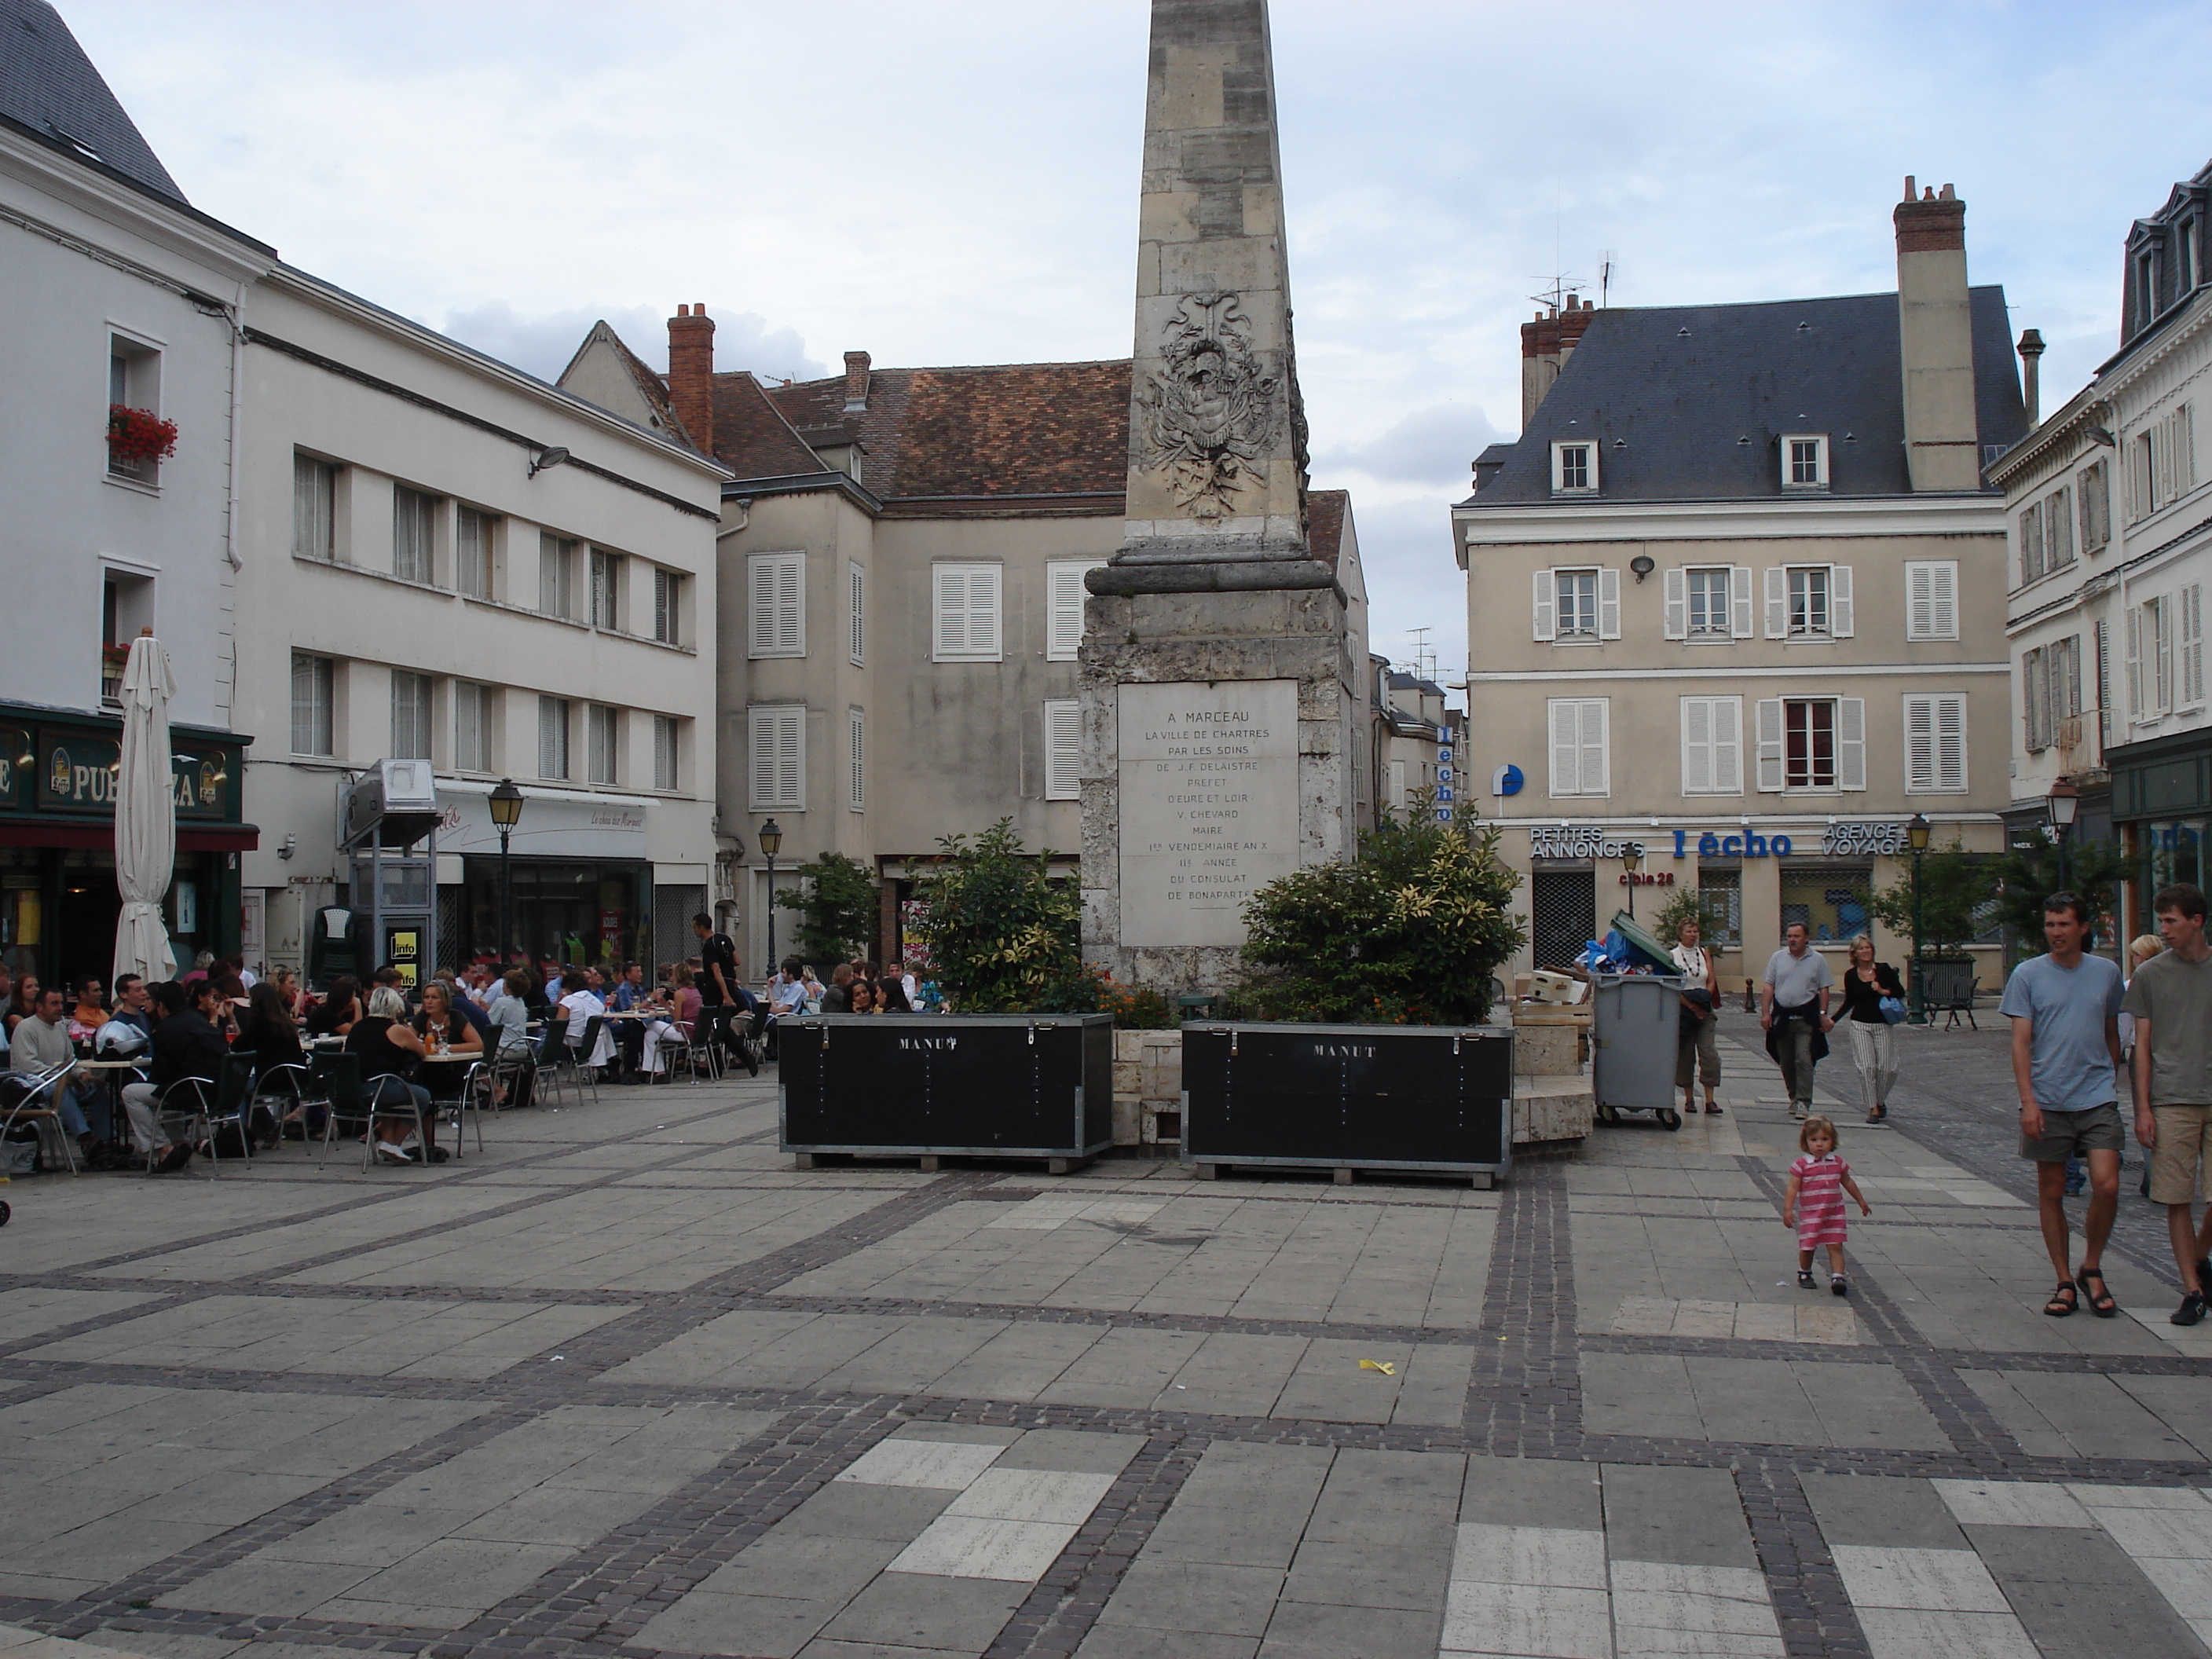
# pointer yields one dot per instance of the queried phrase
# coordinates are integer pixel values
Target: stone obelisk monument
(1217, 672)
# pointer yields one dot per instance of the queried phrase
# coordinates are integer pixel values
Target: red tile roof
(751, 437)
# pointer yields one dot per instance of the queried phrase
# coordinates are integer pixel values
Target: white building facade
(418, 583)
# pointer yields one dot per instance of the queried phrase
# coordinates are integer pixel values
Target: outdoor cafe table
(112, 1072)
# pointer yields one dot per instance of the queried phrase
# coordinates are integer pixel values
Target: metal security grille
(451, 939)
(1562, 905)
(673, 907)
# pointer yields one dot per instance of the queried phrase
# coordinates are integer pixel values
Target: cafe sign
(80, 774)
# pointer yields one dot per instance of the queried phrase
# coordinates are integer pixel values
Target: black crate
(981, 1085)
(1433, 1098)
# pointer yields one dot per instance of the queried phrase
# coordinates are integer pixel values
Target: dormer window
(2185, 257)
(1574, 468)
(2146, 286)
(1805, 461)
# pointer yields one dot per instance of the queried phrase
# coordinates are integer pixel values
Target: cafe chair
(574, 1057)
(377, 1102)
(280, 1089)
(44, 1120)
(234, 1094)
(552, 1051)
(336, 1081)
(476, 1091)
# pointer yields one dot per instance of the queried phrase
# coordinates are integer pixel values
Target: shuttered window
(1931, 599)
(2150, 657)
(2096, 508)
(472, 709)
(775, 602)
(667, 603)
(1698, 602)
(602, 743)
(472, 551)
(1813, 744)
(414, 528)
(606, 589)
(856, 613)
(411, 715)
(1064, 597)
(1809, 602)
(553, 738)
(776, 770)
(1935, 744)
(2189, 688)
(664, 751)
(313, 681)
(556, 575)
(856, 760)
(1579, 747)
(1712, 746)
(314, 509)
(1063, 750)
(966, 607)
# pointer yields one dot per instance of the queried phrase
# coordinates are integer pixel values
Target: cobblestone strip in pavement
(1524, 1395)
(1068, 1600)
(1964, 1416)
(1810, 1603)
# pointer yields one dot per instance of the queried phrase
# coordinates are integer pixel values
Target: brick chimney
(1936, 334)
(856, 382)
(692, 372)
(1545, 345)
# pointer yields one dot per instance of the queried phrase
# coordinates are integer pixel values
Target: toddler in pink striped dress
(1814, 1202)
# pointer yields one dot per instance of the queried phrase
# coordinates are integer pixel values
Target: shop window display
(1830, 900)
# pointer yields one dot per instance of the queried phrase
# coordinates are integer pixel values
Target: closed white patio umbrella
(145, 814)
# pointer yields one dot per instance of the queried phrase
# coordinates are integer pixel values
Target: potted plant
(1358, 1039)
(137, 438)
(1023, 1069)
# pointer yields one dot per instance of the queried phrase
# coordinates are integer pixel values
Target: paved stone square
(627, 1384)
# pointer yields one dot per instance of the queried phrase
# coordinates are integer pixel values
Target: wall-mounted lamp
(291, 846)
(1643, 565)
(546, 458)
(2100, 435)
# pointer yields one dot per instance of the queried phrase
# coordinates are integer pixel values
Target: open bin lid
(1642, 946)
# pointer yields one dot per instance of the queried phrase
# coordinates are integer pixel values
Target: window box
(1433, 1098)
(961, 1085)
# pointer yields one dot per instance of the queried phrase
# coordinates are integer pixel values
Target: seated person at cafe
(88, 1010)
(186, 1045)
(389, 1047)
(462, 1004)
(134, 1003)
(582, 1005)
(444, 1031)
(673, 1029)
(42, 1042)
(507, 1015)
(334, 1016)
(266, 1032)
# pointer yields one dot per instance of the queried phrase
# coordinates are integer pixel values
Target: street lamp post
(506, 809)
(2064, 802)
(771, 842)
(1632, 861)
(1915, 837)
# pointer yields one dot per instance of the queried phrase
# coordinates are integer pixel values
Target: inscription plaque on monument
(1209, 797)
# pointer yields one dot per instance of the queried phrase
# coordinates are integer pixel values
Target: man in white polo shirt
(1793, 1008)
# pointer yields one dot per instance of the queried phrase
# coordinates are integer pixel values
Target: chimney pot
(692, 372)
(1911, 188)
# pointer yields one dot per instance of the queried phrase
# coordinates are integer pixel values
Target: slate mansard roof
(50, 89)
(1671, 393)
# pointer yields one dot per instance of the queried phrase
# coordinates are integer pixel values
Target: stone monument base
(1167, 869)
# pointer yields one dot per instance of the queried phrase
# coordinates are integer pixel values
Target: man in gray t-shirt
(1793, 1007)
(2171, 998)
(2066, 1013)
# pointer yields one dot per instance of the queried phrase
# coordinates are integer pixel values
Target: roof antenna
(1604, 277)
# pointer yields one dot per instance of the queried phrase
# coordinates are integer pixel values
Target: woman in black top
(335, 1014)
(268, 1034)
(389, 1048)
(1874, 1045)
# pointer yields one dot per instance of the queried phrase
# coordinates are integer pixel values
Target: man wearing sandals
(2171, 998)
(2066, 1011)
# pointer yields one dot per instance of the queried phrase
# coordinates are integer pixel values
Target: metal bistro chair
(46, 1119)
(552, 1051)
(704, 1046)
(378, 1102)
(503, 1071)
(576, 1056)
(200, 1108)
(337, 1079)
(474, 1089)
(270, 1087)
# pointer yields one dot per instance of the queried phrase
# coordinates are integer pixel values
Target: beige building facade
(1732, 616)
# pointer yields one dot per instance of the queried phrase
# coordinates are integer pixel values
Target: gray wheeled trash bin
(1634, 1023)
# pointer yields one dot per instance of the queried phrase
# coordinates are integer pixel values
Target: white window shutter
(1769, 717)
(856, 760)
(778, 759)
(1727, 745)
(1951, 745)
(856, 599)
(776, 596)
(790, 733)
(1064, 597)
(1697, 745)
(1943, 599)
(1608, 602)
(1595, 778)
(2134, 662)
(1547, 606)
(983, 611)
(1778, 603)
(1740, 601)
(2162, 646)
(1566, 747)
(761, 751)
(1675, 603)
(1840, 601)
(1919, 746)
(951, 611)
(1063, 750)
(1919, 601)
(1850, 743)
(2192, 643)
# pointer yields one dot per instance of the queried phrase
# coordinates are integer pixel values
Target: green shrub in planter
(1409, 934)
(1003, 936)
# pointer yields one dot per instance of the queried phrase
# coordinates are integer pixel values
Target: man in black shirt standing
(719, 985)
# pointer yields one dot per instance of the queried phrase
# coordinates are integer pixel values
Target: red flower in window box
(139, 434)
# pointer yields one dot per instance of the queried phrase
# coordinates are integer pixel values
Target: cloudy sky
(956, 182)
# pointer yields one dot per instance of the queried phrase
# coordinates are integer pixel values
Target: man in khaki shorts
(2171, 998)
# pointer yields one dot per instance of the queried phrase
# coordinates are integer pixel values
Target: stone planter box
(933, 1086)
(1549, 1040)
(1436, 1099)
